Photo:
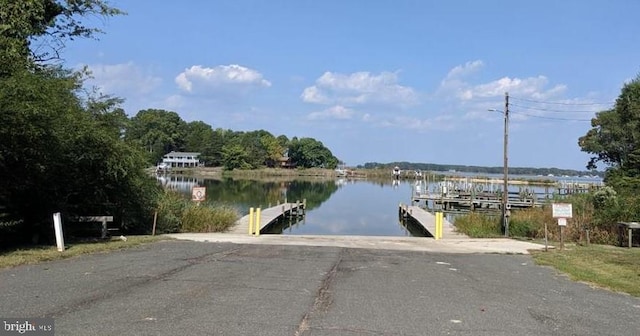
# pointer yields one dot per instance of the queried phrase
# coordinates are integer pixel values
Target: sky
(377, 81)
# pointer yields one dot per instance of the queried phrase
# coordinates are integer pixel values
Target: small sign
(562, 221)
(562, 210)
(198, 194)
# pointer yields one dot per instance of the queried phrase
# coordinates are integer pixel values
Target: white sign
(562, 221)
(562, 210)
(198, 194)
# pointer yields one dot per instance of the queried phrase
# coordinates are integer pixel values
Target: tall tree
(310, 153)
(158, 132)
(58, 152)
(201, 138)
(614, 138)
(49, 22)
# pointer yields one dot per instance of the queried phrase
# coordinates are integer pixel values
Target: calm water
(334, 207)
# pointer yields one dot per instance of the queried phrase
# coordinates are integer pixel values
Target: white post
(57, 227)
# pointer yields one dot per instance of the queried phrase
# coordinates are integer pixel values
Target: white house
(181, 159)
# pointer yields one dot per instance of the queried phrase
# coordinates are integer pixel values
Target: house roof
(173, 153)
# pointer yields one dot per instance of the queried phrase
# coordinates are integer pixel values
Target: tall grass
(208, 219)
(178, 214)
(479, 225)
(598, 212)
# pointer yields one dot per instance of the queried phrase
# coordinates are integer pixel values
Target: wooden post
(546, 238)
(561, 238)
(104, 228)
(630, 236)
(155, 221)
(588, 240)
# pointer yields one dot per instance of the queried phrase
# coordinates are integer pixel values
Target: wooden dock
(269, 215)
(473, 201)
(428, 221)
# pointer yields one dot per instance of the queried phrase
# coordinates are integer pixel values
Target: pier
(269, 216)
(428, 221)
(472, 194)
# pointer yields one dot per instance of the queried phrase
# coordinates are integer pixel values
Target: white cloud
(530, 87)
(122, 79)
(456, 85)
(202, 79)
(464, 69)
(335, 112)
(359, 88)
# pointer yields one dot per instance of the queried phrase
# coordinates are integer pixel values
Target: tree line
(480, 169)
(159, 132)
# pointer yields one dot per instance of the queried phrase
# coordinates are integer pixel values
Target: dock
(428, 221)
(269, 216)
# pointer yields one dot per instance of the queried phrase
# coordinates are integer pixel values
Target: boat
(396, 172)
(162, 168)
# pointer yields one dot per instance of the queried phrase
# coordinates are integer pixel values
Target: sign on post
(562, 210)
(198, 194)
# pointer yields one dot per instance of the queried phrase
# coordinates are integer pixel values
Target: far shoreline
(371, 174)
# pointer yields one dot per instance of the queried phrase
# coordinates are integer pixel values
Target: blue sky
(381, 80)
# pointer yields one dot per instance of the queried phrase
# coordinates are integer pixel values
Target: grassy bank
(36, 254)
(611, 267)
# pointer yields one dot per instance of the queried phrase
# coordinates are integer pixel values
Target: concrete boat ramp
(458, 245)
(451, 241)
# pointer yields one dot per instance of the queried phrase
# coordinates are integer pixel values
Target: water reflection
(180, 183)
(334, 207)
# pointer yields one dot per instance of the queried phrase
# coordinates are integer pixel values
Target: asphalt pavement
(213, 288)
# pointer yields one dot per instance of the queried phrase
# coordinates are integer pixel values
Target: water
(334, 207)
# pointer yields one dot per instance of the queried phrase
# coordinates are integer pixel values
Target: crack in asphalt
(125, 287)
(324, 296)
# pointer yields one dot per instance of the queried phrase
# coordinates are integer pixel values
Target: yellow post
(250, 221)
(441, 222)
(258, 222)
(438, 225)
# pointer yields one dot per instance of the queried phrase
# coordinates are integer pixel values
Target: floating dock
(269, 215)
(428, 221)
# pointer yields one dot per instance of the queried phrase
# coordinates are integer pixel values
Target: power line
(552, 110)
(560, 103)
(549, 118)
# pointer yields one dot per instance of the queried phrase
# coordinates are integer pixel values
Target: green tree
(200, 137)
(59, 152)
(158, 132)
(49, 22)
(310, 153)
(614, 139)
(234, 156)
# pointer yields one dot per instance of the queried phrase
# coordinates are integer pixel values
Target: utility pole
(505, 193)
